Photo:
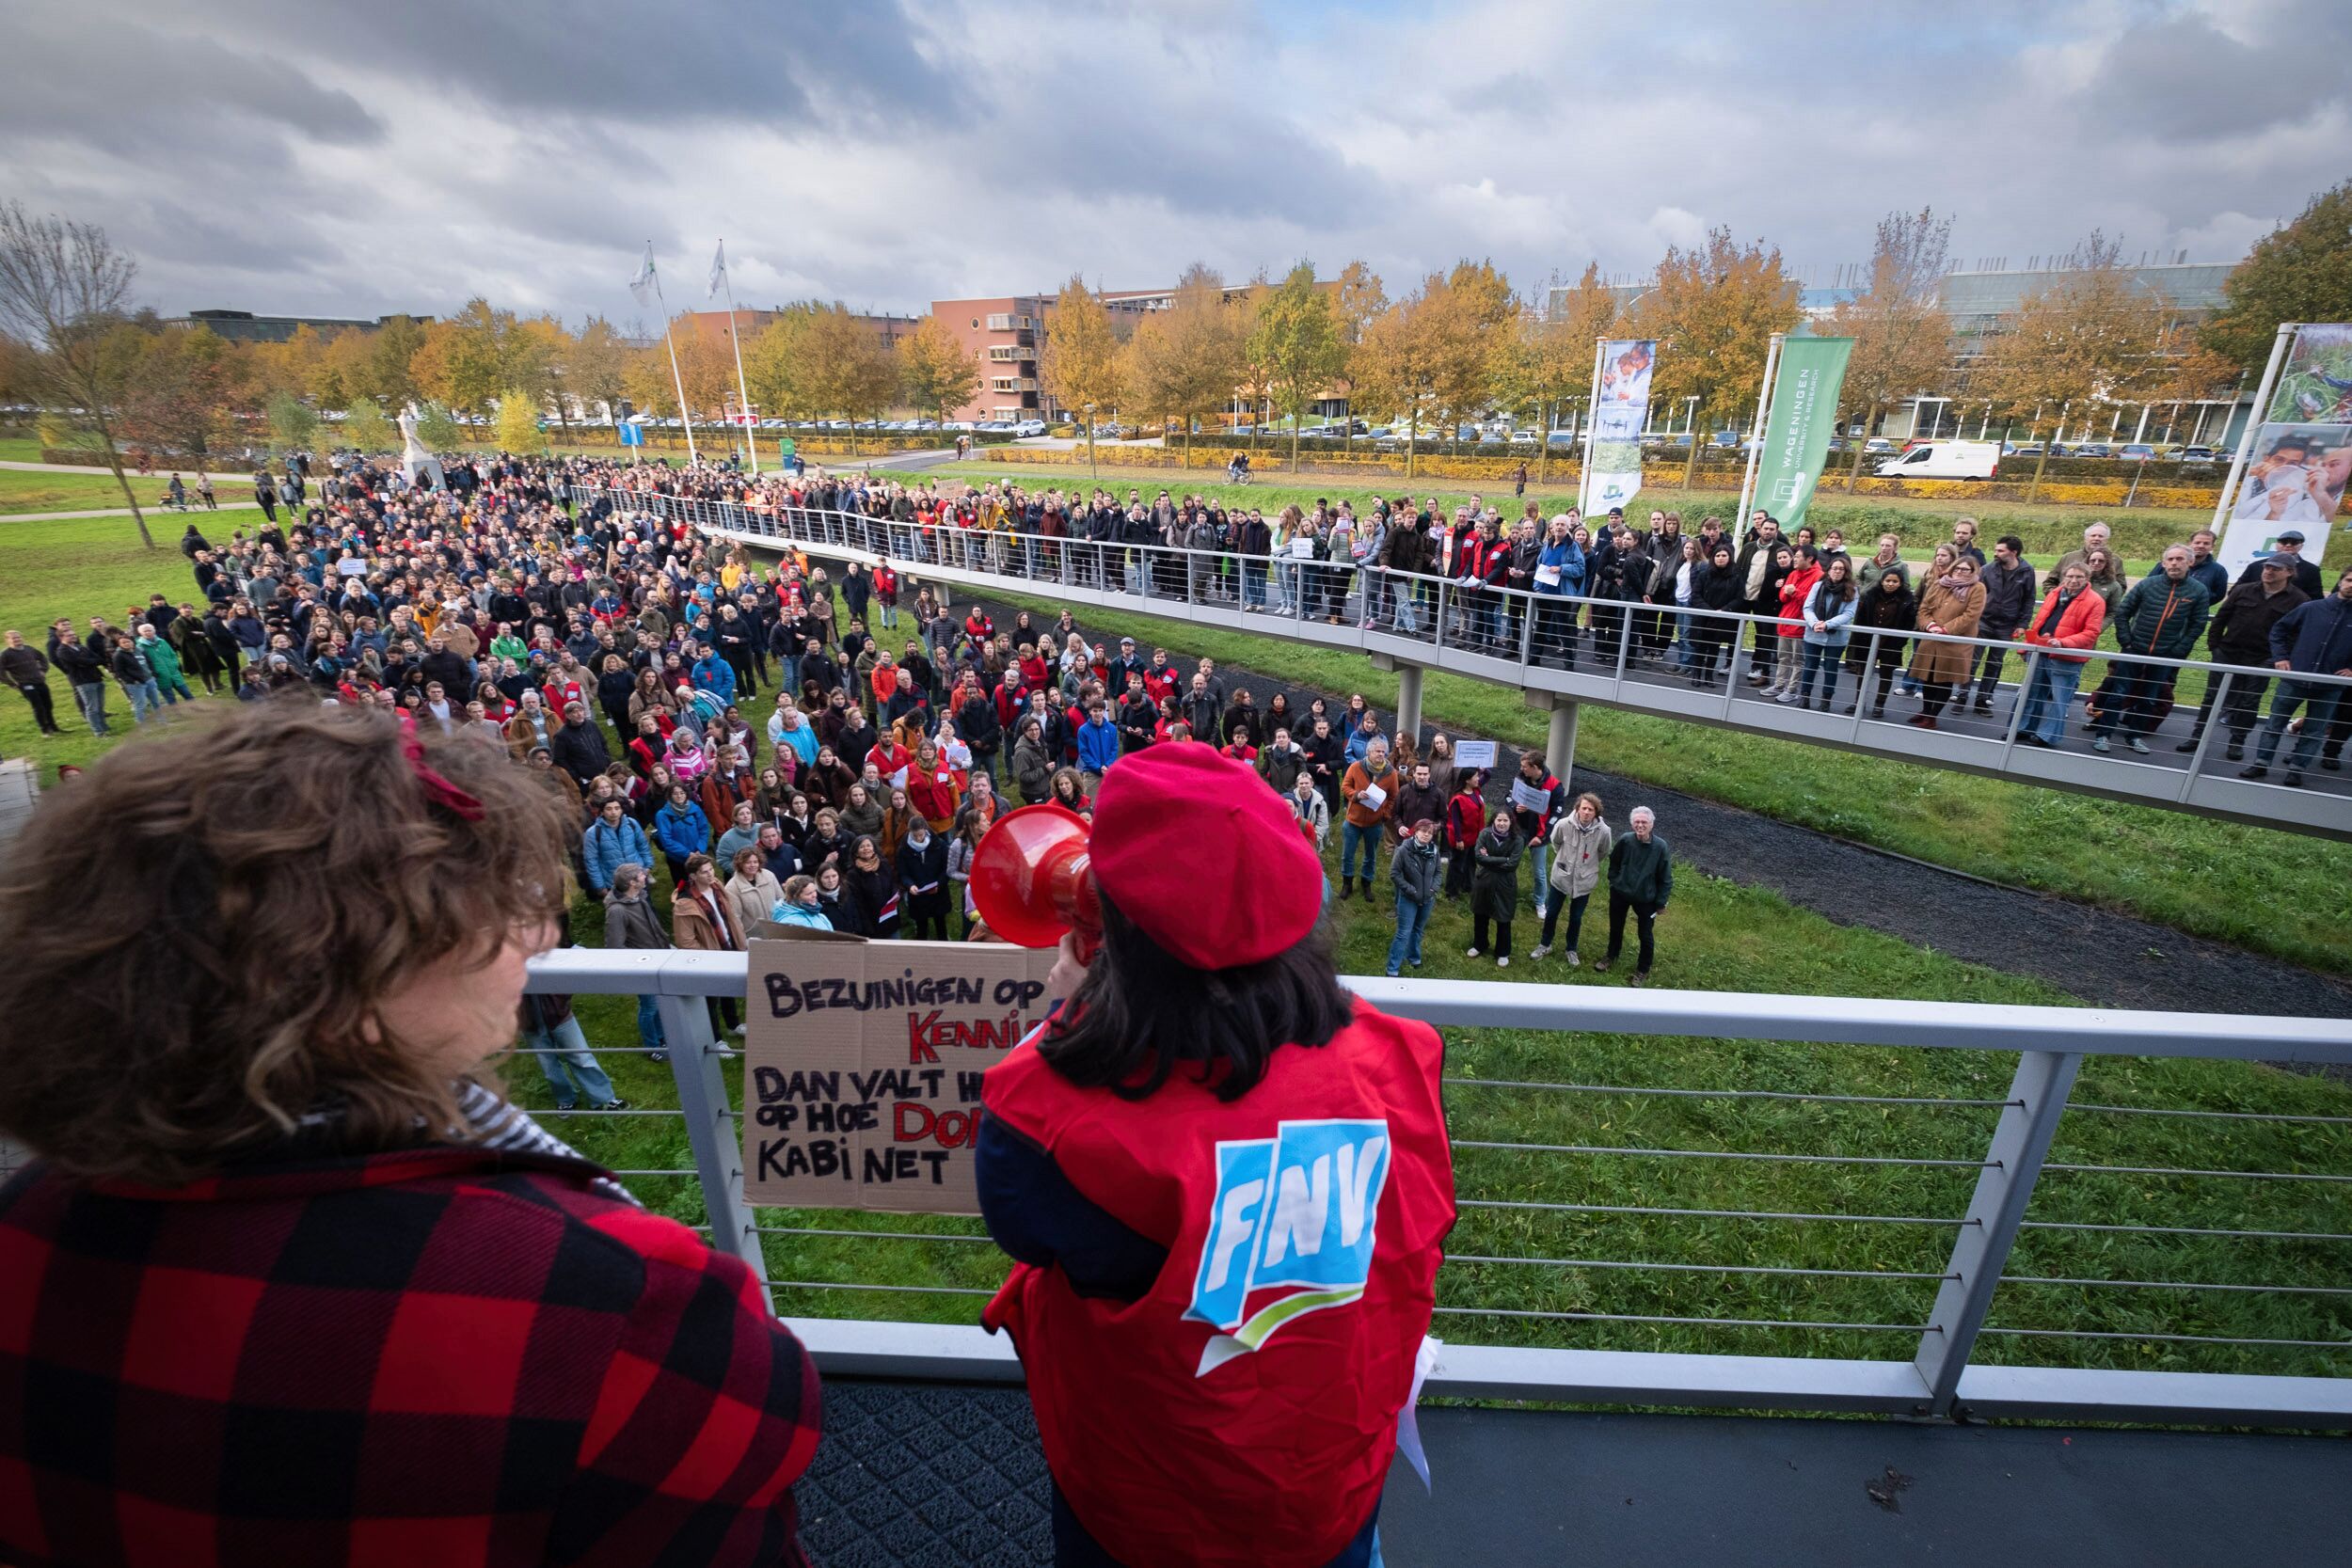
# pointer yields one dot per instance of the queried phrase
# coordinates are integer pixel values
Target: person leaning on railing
(290, 1279)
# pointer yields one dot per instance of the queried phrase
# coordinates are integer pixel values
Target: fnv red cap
(1202, 856)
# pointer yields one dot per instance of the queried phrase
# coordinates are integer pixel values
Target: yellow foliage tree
(1080, 363)
(937, 371)
(1188, 359)
(1717, 305)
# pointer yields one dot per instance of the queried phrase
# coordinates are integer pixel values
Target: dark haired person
(1149, 1159)
(289, 1279)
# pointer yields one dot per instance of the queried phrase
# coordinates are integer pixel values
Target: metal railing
(1980, 1197)
(1715, 667)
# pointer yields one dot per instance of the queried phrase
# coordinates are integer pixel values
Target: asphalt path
(2099, 956)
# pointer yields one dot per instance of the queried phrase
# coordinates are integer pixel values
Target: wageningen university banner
(1802, 417)
(862, 1067)
(1618, 416)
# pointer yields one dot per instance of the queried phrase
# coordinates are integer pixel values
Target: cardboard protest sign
(1473, 754)
(862, 1066)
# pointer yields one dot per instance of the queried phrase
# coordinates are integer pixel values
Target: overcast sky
(342, 159)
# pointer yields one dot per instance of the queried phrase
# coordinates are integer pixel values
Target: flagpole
(676, 380)
(1755, 452)
(735, 335)
(1591, 409)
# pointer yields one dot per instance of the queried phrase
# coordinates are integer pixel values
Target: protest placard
(862, 1066)
(1473, 754)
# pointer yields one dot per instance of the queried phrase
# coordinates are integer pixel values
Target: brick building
(1005, 332)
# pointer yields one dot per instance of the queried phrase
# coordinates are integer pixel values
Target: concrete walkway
(161, 476)
(192, 512)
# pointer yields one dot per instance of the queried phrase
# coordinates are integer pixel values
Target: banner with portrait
(1614, 459)
(2297, 472)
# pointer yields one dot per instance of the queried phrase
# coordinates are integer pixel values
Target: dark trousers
(1645, 920)
(1501, 949)
(1576, 918)
(726, 1013)
(1457, 873)
(926, 921)
(2131, 698)
(44, 712)
(2241, 710)
(1988, 668)
(1934, 696)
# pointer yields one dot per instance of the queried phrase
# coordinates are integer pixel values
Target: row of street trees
(1461, 344)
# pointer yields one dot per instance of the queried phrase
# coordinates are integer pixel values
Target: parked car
(2196, 454)
(1029, 427)
(1945, 460)
(1561, 439)
(1877, 446)
(2094, 449)
(2136, 452)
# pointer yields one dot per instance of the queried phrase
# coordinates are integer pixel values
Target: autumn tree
(1397, 365)
(293, 424)
(544, 359)
(1551, 365)
(1188, 359)
(2092, 335)
(773, 365)
(597, 365)
(2300, 273)
(1902, 340)
(1719, 303)
(63, 290)
(385, 364)
(937, 371)
(366, 428)
(438, 428)
(181, 394)
(1297, 341)
(1360, 298)
(1080, 362)
(1476, 332)
(518, 421)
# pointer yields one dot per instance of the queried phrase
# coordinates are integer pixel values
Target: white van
(1945, 460)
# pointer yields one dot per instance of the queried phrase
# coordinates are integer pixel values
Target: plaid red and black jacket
(436, 1358)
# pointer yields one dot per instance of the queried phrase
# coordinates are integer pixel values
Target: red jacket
(2078, 629)
(1244, 1409)
(1793, 590)
(443, 1355)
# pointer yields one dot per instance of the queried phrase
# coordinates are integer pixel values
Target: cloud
(278, 155)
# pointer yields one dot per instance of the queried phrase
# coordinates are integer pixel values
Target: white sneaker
(1470, 953)
(1540, 952)
(1785, 697)
(1503, 963)
(1573, 960)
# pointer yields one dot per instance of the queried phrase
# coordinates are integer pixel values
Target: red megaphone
(1032, 879)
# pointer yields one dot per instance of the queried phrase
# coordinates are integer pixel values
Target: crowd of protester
(825, 747)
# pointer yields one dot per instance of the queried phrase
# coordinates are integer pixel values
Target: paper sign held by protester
(1528, 797)
(862, 1066)
(1473, 754)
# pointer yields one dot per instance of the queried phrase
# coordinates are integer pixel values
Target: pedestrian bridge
(1564, 653)
(2019, 1274)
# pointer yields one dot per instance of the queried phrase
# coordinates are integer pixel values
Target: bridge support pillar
(1560, 736)
(1409, 702)
(1407, 693)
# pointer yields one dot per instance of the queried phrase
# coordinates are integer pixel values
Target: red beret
(1202, 856)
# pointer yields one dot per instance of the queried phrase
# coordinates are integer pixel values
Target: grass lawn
(2276, 893)
(2047, 531)
(24, 491)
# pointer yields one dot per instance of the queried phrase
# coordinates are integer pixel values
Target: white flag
(718, 269)
(642, 284)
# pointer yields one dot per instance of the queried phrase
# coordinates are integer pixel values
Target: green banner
(1798, 427)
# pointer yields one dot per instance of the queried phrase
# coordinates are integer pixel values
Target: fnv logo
(1289, 1230)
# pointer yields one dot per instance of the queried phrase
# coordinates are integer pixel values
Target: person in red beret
(1226, 1186)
